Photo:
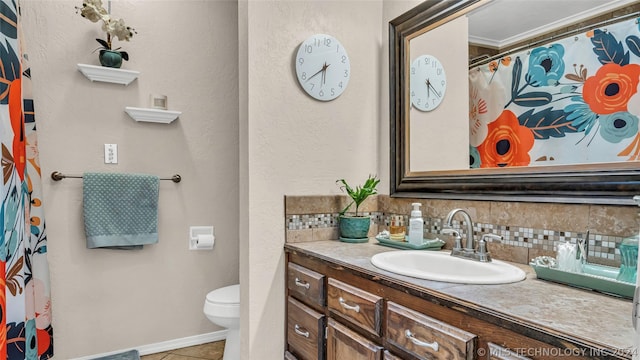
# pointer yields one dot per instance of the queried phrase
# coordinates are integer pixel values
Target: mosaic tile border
(600, 246)
(314, 221)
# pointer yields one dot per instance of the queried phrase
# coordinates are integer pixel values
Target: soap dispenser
(416, 225)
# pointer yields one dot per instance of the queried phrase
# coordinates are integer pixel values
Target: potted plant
(93, 11)
(355, 228)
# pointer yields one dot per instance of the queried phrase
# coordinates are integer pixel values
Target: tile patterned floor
(209, 351)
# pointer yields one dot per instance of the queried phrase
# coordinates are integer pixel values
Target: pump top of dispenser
(416, 210)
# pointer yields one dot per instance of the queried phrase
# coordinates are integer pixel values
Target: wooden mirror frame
(606, 183)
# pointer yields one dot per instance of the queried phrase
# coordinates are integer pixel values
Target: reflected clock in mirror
(428, 82)
(322, 67)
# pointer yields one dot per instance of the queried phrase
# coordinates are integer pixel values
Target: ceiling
(502, 23)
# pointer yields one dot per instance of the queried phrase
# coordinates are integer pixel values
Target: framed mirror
(433, 147)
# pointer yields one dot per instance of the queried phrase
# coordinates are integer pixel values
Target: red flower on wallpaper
(610, 89)
(507, 143)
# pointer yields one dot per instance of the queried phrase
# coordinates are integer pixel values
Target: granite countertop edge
(591, 318)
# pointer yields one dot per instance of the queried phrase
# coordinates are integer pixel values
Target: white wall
(292, 144)
(106, 300)
(207, 61)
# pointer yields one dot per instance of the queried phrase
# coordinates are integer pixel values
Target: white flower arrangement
(93, 11)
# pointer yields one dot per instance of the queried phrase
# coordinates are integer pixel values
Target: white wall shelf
(152, 115)
(107, 74)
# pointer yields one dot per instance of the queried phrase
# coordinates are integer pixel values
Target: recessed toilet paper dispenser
(201, 238)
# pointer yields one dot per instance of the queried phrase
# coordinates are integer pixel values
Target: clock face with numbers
(427, 82)
(322, 67)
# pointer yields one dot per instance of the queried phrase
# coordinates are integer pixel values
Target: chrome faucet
(448, 223)
(469, 251)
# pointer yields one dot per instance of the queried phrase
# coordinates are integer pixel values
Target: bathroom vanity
(340, 306)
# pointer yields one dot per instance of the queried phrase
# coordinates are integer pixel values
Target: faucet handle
(449, 231)
(483, 253)
(458, 240)
(492, 237)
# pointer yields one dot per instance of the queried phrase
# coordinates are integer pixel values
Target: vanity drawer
(305, 331)
(426, 337)
(289, 356)
(355, 305)
(344, 344)
(306, 285)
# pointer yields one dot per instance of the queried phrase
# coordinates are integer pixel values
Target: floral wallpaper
(25, 304)
(571, 101)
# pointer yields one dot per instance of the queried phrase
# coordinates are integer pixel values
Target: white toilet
(222, 307)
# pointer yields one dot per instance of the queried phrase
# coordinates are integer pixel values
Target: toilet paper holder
(201, 238)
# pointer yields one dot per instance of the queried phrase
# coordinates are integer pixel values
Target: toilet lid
(225, 295)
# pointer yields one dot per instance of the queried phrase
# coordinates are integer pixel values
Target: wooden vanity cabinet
(366, 317)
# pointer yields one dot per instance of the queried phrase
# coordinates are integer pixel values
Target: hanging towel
(120, 210)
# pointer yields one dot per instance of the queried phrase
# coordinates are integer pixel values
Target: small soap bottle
(416, 225)
(396, 229)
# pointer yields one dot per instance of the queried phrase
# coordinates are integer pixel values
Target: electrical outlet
(110, 153)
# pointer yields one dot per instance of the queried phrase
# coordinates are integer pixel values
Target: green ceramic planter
(354, 228)
(110, 58)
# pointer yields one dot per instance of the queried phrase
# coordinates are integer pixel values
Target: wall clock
(322, 67)
(427, 82)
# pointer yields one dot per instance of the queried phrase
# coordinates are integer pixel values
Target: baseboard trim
(167, 345)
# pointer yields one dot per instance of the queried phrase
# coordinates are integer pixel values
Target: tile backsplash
(528, 229)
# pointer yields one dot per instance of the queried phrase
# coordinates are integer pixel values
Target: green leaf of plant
(103, 43)
(533, 99)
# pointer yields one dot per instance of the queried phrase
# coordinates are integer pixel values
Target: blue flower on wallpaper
(474, 158)
(546, 66)
(581, 115)
(618, 126)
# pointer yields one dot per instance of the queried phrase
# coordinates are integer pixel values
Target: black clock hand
(434, 90)
(428, 88)
(324, 72)
(314, 75)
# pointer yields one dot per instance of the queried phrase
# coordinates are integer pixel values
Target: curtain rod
(502, 54)
(57, 176)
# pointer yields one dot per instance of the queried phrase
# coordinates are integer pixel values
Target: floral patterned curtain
(572, 101)
(25, 305)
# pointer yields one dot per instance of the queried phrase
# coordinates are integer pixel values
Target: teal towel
(120, 210)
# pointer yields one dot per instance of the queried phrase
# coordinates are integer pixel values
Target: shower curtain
(574, 100)
(25, 305)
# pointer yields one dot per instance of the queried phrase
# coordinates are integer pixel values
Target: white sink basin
(440, 266)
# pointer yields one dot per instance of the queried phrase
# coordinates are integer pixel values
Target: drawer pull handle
(303, 284)
(434, 345)
(300, 332)
(344, 304)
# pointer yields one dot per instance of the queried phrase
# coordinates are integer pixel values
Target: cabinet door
(289, 356)
(355, 305)
(426, 337)
(497, 352)
(344, 344)
(305, 331)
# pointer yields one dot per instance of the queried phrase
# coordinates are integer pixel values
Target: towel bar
(57, 176)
